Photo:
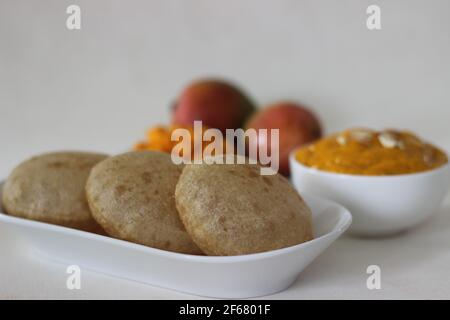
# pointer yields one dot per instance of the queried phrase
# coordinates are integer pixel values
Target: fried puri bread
(132, 197)
(230, 209)
(51, 188)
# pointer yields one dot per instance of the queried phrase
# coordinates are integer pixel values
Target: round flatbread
(51, 188)
(132, 197)
(231, 209)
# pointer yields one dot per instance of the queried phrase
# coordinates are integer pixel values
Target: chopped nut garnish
(341, 140)
(361, 135)
(428, 156)
(388, 140)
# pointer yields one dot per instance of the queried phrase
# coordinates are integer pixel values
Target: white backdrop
(101, 87)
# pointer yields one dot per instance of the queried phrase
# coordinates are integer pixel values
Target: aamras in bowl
(390, 180)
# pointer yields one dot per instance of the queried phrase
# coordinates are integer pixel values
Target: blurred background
(101, 87)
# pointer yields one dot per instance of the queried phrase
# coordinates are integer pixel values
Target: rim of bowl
(293, 162)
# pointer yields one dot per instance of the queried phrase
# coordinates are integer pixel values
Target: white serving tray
(225, 277)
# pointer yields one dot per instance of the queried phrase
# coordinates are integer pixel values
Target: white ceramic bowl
(380, 205)
(226, 277)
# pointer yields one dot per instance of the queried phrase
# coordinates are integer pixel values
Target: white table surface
(99, 88)
(414, 265)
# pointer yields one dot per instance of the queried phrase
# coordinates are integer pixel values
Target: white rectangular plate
(226, 277)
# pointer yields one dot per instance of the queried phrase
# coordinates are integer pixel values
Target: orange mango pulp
(342, 153)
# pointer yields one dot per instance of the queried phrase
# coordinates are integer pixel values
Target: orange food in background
(159, 139)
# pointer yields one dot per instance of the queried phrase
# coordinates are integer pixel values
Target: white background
(101, 87)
